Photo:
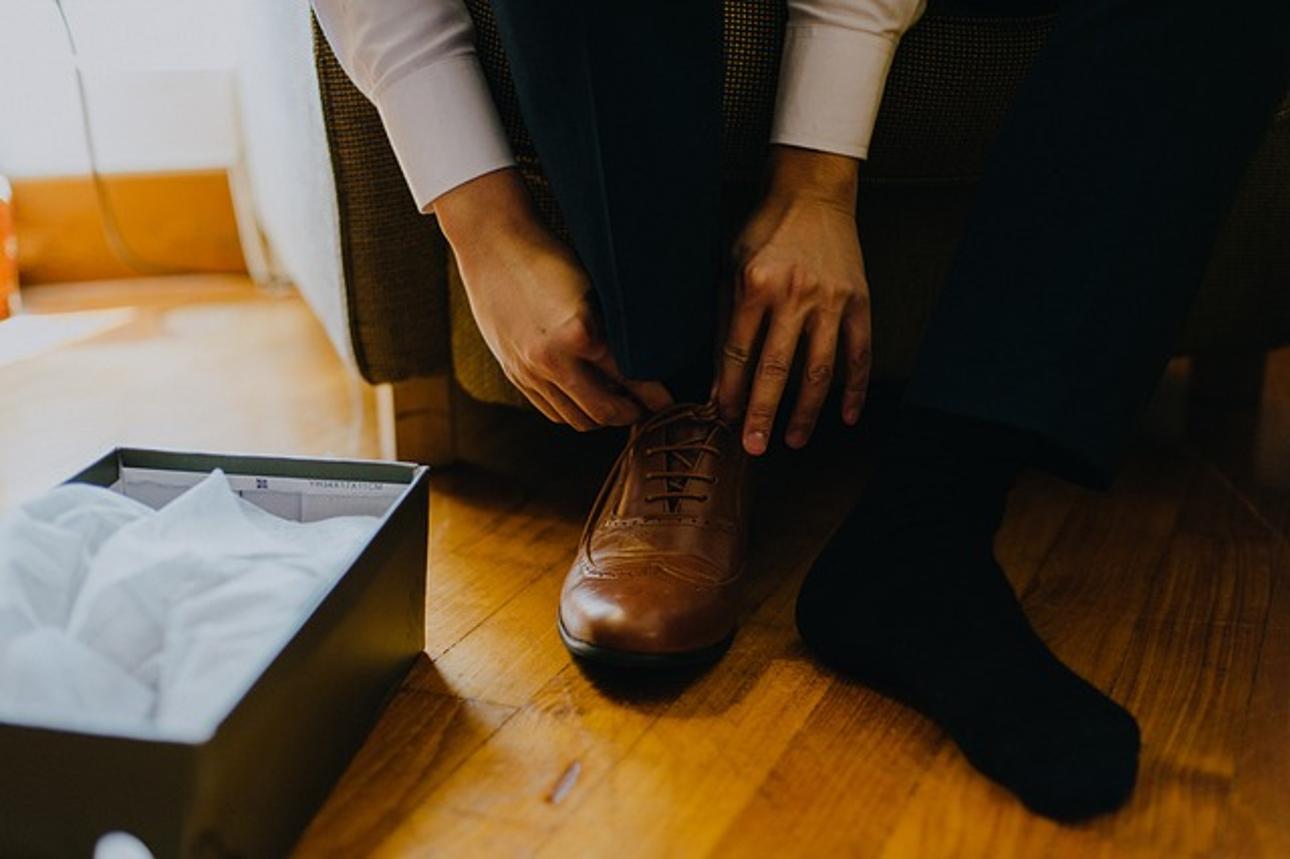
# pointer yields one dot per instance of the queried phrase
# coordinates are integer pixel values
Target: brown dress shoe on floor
(656, 579)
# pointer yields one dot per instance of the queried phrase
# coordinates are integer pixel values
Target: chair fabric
(950, 86)
(394, 259)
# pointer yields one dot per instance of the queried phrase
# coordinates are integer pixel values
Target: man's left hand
(799, 275)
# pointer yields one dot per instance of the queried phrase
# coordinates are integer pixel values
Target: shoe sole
(597, 655)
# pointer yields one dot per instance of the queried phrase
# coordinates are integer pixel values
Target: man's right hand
(529, 297)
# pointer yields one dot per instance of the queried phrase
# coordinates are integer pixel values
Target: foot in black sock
(908, 598)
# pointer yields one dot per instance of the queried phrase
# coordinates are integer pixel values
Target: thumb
(652, 395)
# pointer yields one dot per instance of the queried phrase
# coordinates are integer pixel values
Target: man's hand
(800, 276)
(529, 297)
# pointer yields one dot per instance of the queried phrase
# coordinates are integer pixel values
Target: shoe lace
(682, 459)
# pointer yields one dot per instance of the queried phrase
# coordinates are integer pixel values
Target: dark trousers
(1090, 233)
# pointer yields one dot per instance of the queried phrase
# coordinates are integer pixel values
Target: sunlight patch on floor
(29, 335)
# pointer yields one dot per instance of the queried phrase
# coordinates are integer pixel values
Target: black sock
(908, 598)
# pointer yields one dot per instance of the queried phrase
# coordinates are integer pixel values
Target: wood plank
(1189, 682)
(200, 363)
(1257, 822)
(461, 594)
(423, 738)
(677, 789)
(514, 652)
(838, 787)
(540, 766)
(451, 833)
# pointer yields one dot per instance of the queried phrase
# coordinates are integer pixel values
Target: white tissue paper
(114, 612)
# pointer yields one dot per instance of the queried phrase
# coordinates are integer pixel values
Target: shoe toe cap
(644, 608)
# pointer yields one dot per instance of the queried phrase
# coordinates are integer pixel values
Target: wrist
(807, 174)
(486, 210)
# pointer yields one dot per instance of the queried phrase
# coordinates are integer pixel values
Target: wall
(158, 77)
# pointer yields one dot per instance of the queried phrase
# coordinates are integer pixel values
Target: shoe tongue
(683, 461)
(686, 424)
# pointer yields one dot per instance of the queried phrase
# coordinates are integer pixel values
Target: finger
(737, 359)
(654, 396)
(578, 392)
(539, 402)
(602, 370)
(822, 328)
(589, 390)
(568, 409)
(773, 365)
(859, 359)
(592, 390)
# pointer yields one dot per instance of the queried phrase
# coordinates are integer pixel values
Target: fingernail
(796, 438)
(755, 442)
(852, 415)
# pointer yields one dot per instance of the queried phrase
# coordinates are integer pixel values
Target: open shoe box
(250, 786)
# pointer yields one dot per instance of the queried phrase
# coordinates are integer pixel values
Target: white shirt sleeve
(835, 62)
(415, 60)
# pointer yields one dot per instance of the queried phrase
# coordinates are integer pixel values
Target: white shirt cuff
(443, 126)
(830, 84)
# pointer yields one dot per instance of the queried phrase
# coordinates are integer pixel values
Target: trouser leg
(623, 102)
(1095, 219)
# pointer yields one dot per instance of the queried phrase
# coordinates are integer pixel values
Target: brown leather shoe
(656, 578)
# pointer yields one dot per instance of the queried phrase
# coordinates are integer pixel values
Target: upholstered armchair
(407, 324)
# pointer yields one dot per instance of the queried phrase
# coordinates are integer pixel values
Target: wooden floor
(1172, 593)
(202, 362)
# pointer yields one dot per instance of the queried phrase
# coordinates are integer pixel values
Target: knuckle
(837, 299)
(541, 356)
(819, 374)
(856, 384)
(578, 336)
(757, 277)
(736, 354)
(804, 285)
(773, 367)
(760, 414)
